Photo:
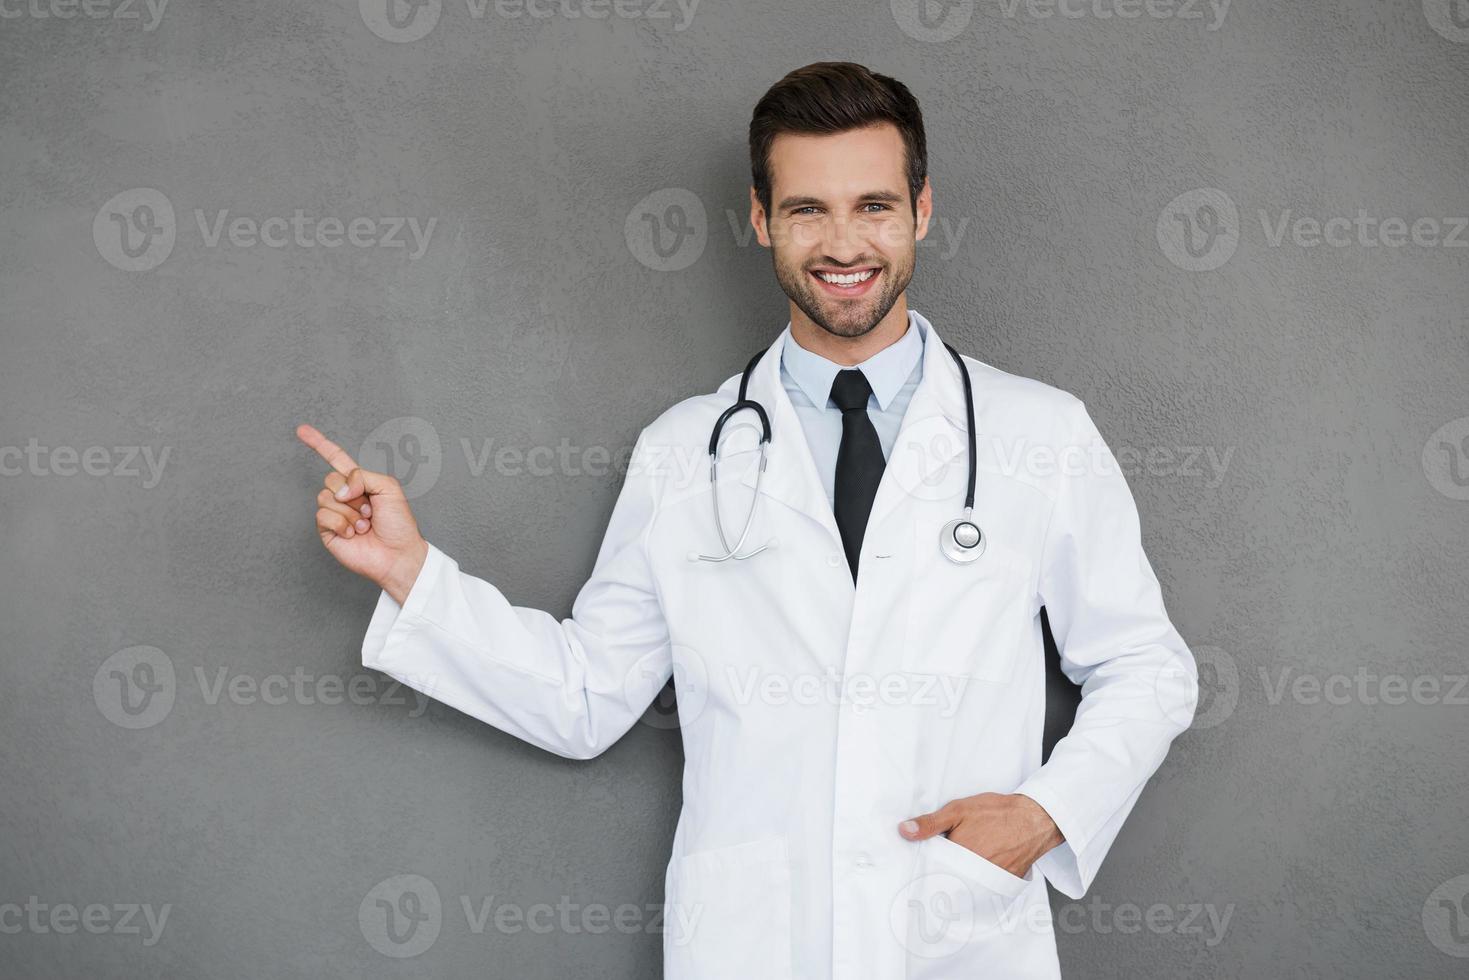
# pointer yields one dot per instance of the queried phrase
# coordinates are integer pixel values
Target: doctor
(857, 653)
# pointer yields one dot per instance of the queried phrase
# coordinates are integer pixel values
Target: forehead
(840, 164)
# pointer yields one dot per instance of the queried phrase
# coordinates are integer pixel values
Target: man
(862, 714)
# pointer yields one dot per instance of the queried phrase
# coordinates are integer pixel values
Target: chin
(851, 321)
(848, 328)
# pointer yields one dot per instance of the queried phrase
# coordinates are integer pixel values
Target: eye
(879, 206)
(810, 208)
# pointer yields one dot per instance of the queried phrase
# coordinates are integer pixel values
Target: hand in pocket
(1006, 829)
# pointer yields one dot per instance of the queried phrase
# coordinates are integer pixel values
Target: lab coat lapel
(790, 474)
(929, 456)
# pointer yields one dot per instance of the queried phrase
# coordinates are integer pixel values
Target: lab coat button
(833, 560)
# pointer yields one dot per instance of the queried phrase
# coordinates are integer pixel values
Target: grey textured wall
(1134, 201)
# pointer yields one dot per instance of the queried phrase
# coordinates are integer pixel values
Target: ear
(759, 219)
(924, 211)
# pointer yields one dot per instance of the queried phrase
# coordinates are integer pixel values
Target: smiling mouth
(852, 283)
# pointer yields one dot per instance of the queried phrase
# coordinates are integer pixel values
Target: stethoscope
(961, 541)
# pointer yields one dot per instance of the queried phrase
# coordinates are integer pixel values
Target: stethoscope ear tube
(724, 417)
(740, 405)
(968, 427)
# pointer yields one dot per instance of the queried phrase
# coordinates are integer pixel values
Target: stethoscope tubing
(745, 403)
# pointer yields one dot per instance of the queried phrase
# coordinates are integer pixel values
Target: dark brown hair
(834, 97)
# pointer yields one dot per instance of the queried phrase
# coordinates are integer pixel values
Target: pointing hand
(365, 521)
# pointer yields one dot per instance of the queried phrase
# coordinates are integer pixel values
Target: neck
(848, 351)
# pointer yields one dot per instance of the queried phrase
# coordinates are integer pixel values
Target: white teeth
(850, 280)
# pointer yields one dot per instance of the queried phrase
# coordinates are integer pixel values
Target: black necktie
(859, 462)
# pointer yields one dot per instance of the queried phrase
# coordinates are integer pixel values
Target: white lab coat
(815, 714)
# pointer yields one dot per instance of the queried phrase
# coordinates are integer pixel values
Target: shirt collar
(886, 371)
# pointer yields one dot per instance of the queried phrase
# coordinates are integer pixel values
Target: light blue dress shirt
(893, 373)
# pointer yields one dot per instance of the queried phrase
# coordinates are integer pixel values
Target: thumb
(365, 482)
(930, 824)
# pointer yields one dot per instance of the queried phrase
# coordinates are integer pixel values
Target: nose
(844, 239)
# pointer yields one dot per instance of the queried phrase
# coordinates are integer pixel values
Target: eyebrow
(885, 197)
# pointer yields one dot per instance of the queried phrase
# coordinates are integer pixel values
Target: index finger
(326, 449)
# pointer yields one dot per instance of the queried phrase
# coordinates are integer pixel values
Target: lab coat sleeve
(571, 686)
(1138, 679)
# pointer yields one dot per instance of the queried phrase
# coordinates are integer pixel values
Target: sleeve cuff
(389, 618)
(1062, 865)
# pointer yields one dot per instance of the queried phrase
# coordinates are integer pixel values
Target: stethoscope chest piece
(962, 541)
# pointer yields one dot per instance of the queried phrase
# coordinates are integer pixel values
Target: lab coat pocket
(958, 902)
(982, 870)
(729, 914)
(966, 620)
